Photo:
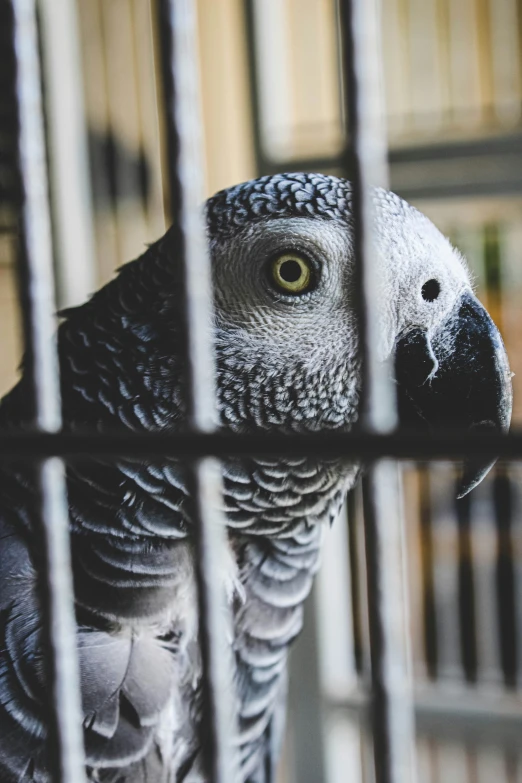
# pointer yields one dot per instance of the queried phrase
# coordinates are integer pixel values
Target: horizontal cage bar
(366, 446)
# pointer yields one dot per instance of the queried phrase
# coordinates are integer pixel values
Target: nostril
(430, 290)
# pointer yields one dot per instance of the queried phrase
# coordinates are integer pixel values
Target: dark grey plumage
(284, 362)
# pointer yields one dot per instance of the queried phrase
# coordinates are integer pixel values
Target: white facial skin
(412, 252)
(319, 326)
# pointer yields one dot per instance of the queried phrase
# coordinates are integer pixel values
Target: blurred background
(271, 101)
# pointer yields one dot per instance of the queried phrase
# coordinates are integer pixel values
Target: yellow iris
(292, 273)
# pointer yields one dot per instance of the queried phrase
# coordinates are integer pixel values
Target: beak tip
(465, 489)
(473, 470)
(472, 475)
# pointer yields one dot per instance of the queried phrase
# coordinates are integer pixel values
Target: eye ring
(291, 273)
(430, 290)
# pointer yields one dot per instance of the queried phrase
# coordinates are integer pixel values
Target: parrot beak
(456, 378)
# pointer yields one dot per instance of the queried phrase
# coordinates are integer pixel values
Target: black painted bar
(355, 580)
(427, 560)
(365, 446)
(466, 591)
(504, 495)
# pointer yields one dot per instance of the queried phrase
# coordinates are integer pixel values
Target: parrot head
(286, 318)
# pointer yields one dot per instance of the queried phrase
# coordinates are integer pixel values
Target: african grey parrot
(286, 349)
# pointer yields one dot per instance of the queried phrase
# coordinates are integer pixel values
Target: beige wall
(225, 95)
(10, 346)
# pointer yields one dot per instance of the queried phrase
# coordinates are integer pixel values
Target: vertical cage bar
(391, 699)
(177, 36)
(429, 607)
(355, 580)
(506, 597)
(35, 269)
(466, 589)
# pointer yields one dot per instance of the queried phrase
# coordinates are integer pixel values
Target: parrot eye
(291, 273)
(430, 290)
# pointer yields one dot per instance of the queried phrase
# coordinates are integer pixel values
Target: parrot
(287, 355)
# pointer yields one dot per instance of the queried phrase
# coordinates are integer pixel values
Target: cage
(99, 104)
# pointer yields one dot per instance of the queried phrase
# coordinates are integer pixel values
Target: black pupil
(290, 271)
(430, 290)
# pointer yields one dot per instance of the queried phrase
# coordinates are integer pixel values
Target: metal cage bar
(36, 284)
(177, 36)
(391, 691)
(367, 446)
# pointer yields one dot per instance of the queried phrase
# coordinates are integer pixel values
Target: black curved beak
(457, 378)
